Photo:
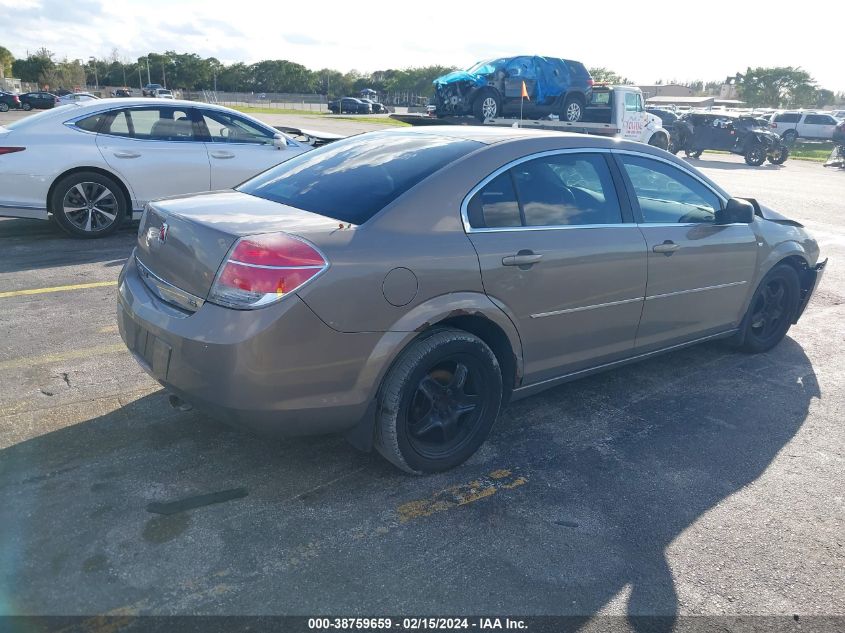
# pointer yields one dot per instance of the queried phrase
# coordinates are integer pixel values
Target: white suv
(791, 125)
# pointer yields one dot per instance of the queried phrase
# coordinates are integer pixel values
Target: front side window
(558, 190)
(353, 179)
(666, 195)
(227, 128)
(819, 119)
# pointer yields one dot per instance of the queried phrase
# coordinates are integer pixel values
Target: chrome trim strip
(9, 205)
(235, 261)
(691, 290)
(540, 315)
(554, 227)
(168, 292)
(622, 361)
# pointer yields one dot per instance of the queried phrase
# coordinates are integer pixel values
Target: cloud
(300, 39)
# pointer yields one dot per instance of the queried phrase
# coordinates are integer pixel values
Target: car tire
(771, 310)
(789, 137)
(438, 403)
(4, 107)
(26, 107)
(779, 156)
(573, 108)
(755, 155)
(486, 105)
(107, 210)
(659, 141)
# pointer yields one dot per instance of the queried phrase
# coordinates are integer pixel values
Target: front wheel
(755, 155)
(439, 402)
(692, 153)
(486, 105)
(771, 311)
(779, 155)
(27, 107)
(88, 205)
(659, 141)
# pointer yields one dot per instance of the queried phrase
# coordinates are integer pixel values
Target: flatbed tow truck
(612, 111)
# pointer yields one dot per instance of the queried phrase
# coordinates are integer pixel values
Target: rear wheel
(755, 155)
(88, 204)
(573, 108)
(772, 310)
(692, 153)
(660, 141)
(439, 402)
(779, 155)
(486, 105)
(4, 107)
(789, 137)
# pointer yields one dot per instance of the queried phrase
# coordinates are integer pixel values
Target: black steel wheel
(755, 155)
(438, 402)
(772, 310)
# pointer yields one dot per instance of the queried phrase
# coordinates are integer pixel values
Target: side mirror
(736, 212)
(279, 141)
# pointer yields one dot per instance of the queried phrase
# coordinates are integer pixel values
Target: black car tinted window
(353, 179)
(567, 190)
(495, 205)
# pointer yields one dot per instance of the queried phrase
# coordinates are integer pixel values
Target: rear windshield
(353, 179)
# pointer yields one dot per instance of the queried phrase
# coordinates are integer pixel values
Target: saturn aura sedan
(88, 166)
(401, 286)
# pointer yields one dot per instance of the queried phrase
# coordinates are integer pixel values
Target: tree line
(786, 87)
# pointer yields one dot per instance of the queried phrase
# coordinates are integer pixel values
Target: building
(666, 90)
(9, 84)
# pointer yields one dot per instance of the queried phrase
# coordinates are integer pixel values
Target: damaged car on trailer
(493, 88)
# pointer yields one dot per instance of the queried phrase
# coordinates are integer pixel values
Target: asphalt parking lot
(705, 482)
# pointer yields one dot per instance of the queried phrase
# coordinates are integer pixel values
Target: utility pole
(140, 81)
(123, 66)
(163, 77)
(149, 81)
(93, 63)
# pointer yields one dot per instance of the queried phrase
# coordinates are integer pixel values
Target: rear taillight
(263, 269)
(16, 99)
(10, 150)
(773, 125)
(590, 81)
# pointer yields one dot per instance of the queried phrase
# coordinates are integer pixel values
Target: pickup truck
(611, 111)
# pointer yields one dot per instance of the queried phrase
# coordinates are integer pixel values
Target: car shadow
(36, 244)
(573, 501)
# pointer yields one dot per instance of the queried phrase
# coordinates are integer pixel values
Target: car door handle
(222, 155)
(667, 248)
(522, 258)
(125, 154)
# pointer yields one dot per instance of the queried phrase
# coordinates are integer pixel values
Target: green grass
(815, 152)
(366, 119)
(251, 110)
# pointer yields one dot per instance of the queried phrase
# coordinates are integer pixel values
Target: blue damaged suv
(493, 88)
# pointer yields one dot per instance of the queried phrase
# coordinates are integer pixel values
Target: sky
(642, 41)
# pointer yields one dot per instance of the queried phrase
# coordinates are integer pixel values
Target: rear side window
(787, 118)
(353, 179)
(91, 123)
(154, 124)
(559, 190)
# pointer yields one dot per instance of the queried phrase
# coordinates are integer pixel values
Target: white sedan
(91, 165)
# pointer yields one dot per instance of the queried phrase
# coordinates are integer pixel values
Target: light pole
(93, 63)
(149, 81)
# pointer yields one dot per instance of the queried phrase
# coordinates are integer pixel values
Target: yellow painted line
(109, 329)
(38, 291)
(460, 495)
(47, 359)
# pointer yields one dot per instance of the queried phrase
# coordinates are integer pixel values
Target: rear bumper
(278, 370)
(810, 281)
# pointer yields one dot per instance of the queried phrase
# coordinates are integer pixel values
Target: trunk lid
(202, 228)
